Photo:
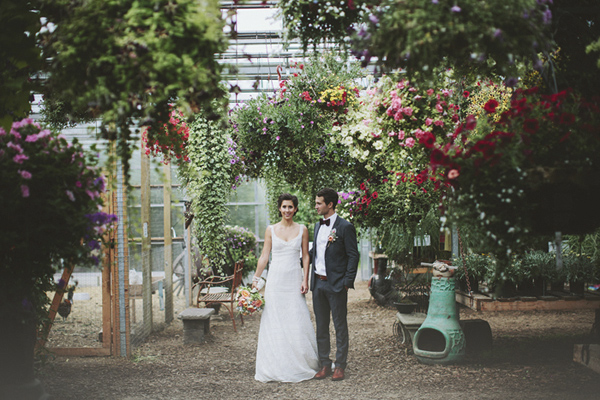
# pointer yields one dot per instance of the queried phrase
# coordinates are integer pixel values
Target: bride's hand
(304, 288)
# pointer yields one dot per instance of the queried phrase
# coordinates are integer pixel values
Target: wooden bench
(196, 324)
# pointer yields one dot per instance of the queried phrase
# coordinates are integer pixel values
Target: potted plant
(50, 198)
(579, 269)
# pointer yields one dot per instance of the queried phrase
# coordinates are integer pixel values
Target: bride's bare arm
(264, 257)
(305, 260)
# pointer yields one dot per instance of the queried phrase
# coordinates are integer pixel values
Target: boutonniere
(332, 237)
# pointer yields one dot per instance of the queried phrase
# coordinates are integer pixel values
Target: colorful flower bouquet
(249, 301)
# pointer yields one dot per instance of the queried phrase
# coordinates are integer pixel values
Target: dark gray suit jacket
(341, 256)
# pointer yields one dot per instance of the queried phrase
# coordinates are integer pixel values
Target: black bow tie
(324, 221)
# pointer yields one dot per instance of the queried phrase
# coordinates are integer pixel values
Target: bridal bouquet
(249, 301)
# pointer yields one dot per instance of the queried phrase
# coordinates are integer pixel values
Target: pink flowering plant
(50, 208)
(397, 124)
(504, 175)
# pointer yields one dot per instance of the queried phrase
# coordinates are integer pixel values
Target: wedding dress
(287, 345)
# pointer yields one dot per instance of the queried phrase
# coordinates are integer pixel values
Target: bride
(287, 346)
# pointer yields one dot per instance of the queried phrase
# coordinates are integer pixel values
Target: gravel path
(531, 359)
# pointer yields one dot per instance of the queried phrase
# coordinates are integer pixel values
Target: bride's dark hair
(287, 196)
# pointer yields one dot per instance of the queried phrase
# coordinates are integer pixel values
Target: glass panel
(177, 221)
(244, 193)
(177, 194)
(156, 195)
(242, 216)
(135, 174)
(262, 221)
(157, 221)
(157, 256)
(134, 221)
(261, 193)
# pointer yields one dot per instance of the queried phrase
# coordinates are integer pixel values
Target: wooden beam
(146, 244)
(80, 351)
(58, 296)
(168, 245)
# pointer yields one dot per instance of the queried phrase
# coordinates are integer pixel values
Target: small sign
(145, 229)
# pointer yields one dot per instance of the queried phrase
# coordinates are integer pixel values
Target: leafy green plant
(208, 178)
(241, 245)
(127, 61)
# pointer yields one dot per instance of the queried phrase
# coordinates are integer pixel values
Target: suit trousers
(326, 304)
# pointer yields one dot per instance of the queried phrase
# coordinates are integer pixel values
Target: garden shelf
(555, 301)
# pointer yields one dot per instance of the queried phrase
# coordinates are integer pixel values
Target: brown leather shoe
(323, 373)
(338, 374)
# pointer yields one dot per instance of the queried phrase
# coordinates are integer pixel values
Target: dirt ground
(531, 359)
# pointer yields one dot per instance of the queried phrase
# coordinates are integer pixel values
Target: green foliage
(316, 21)
(207, 177)
(485, 35)
(127, 61)
(19, 59)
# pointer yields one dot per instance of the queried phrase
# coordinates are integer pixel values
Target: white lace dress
(287, 345)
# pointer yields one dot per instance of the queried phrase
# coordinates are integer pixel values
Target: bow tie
(324, 221)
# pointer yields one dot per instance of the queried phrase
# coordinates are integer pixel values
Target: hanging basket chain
(462, 255)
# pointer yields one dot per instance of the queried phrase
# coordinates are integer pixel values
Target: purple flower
(547, 17)
(373, 18)
(2, 132)
(456, 9)
(498, 33)
(277, 138)
(24, 190)
(435, 1)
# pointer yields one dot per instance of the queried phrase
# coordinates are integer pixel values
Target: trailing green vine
(208, 177)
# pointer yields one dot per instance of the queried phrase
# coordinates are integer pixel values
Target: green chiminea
(440, 339)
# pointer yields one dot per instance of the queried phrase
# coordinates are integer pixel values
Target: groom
(334, 257)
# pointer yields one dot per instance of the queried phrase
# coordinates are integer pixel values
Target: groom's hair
(287, 196)
(329, 195)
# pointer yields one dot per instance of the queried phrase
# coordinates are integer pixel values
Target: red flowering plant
(169, 141)
(500, 172)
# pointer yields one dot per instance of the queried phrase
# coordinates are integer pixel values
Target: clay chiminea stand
(440, 339)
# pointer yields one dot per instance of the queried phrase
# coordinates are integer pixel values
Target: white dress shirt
(321, 243)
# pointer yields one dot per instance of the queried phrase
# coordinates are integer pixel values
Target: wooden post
(58, 296)
(168, 245)
(146, 244)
